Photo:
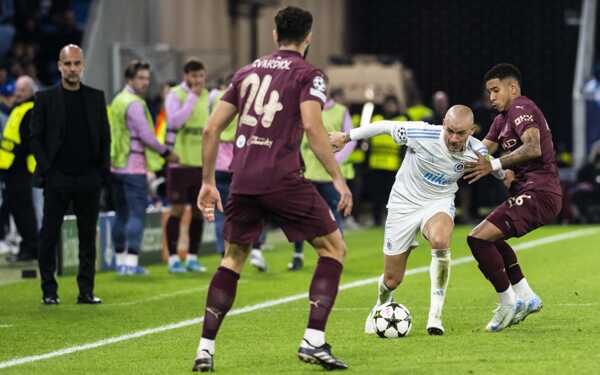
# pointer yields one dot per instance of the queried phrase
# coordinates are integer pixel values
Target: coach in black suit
(70, 139)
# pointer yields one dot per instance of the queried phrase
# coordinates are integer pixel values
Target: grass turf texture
(563, 338)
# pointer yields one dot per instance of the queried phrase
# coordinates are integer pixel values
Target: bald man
(422, 198)
(17, 162)
(70, 139)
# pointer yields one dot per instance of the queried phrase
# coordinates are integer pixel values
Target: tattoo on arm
(530, 149)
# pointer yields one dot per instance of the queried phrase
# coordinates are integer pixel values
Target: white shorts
(402, 226)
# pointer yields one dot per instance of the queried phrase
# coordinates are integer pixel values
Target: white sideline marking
(5, 325)
(267, 304)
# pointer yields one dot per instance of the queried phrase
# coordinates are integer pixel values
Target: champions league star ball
(392, 320)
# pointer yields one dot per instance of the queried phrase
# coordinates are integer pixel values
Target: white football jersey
(429, 170)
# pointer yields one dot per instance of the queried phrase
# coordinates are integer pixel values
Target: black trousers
(20, 201)
(84, 195)
(379, 186)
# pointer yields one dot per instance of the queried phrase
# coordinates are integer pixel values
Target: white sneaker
(503, 316)
(530, 306)
(257, 260)
(434, 326)
(370, 323)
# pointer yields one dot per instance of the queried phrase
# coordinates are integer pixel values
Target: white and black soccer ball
(392, 320)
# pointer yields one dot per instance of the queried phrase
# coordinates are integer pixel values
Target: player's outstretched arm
(396, 129)
(209, 197)
(317, 139)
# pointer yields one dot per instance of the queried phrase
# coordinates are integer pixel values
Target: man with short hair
(134, 152)
(70, 139)
(521, 130)
(277, 96)
(422, 198)
(17, 164)
(187, 108)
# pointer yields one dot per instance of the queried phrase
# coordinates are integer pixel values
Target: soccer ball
(392, 320)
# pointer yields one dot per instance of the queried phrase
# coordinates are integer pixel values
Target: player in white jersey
(422, 198)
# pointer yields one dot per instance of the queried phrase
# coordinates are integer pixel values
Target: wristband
(496, 164)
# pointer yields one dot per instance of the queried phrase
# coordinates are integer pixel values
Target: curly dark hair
(293, 25)
(502, 71)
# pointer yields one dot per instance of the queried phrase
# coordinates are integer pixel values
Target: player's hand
(172, 157)
(345, 204)
(509, 177)
(338, 140)
(208, 198)
(476, 170)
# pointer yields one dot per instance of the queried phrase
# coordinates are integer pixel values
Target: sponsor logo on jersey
(277, 63)
(259, 141)
(436, 178)
(527, 118)
(241, 141)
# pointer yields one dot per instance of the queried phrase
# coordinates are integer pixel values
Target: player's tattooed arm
(530, 149)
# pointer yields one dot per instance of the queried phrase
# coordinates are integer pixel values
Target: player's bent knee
(439, 242)
(331, 245)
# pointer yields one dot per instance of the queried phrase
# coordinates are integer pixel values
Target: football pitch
(151, 325)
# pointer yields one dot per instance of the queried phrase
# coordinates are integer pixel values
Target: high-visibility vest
(188, 138)
(12, 137)
(227, 135)
(121, 139)
(385, 153)
(358, 154)
(333, 120)
(419, 112)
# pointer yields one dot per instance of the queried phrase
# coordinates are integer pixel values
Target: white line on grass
(267, 304)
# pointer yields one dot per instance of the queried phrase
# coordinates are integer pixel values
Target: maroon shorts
(520, 214)
(299, 211)
(183, 184)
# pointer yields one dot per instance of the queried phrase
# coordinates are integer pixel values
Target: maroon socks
(221, 294)
(490, 262)
(323, 290)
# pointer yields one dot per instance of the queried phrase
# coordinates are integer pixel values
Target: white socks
(508, 297)
(205, 344)
(439, 274)
(523, 290)
(120, 258)
(191, 258)
(384, 294)
(131, 260)
(314, 337)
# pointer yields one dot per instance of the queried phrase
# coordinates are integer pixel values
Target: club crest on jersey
(241, 141)
(459, 167)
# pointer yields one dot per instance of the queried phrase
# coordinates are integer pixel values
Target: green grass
(563, 338)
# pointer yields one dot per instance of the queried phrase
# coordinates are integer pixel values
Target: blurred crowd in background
(33, 31)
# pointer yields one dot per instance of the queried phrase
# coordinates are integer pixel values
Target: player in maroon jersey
(278, 97)
(535, 195)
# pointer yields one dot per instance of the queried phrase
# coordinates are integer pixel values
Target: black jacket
(47, 128)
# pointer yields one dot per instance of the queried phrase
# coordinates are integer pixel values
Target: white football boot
(503, 316)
